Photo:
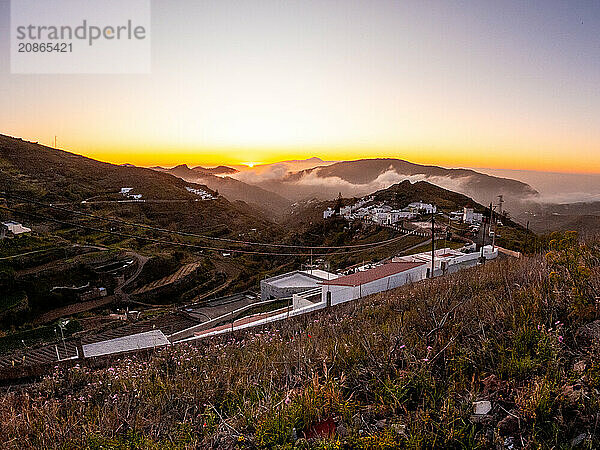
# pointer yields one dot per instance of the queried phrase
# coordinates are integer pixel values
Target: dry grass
(397, 369)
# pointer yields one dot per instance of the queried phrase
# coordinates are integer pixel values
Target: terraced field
(183, 272)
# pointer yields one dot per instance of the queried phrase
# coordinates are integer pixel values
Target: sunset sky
(476, 83)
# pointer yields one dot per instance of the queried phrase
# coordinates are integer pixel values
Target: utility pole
(432, 242)
(486, 228)
(494, 220)
(54, 141)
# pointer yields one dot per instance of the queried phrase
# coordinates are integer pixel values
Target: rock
(342, 431)
(509, 425)
(480, 411)
(578, 440)
(589, 333)
(380, 424)
(399, 429)
(509, 443)
(579, 366)
(572, 394)
(482, 408)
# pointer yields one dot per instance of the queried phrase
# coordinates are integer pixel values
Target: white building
(371, 281)
(426, 208)
(396, 216)
(362, 213)
(382, 209)
(380, 217)
(470, 216)
(287, 284)
(456, 215)
(13, 228)
(345, 211)
(201, 193)
(328, 213)
(448, 260)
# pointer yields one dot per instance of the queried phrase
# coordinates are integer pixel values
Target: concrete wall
(301, 302)
(268, 291)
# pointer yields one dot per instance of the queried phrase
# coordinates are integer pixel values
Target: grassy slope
(401, 368)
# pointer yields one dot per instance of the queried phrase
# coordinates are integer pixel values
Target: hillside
(401, 194)
(59, 175)
(402, 369)
(51, 175)
(269, 203)
(581, 217)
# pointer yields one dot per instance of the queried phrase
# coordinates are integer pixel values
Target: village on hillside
(309, 288)
(368, 210)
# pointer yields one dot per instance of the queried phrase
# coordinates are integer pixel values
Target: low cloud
(272, 172)
(383, 181)
(569, 197)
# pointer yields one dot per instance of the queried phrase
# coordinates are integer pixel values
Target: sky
(500, 84)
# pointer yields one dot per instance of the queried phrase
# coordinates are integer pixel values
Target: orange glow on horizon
(251, 157)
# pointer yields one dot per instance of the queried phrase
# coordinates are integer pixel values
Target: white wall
(341, 294)
(299, 301)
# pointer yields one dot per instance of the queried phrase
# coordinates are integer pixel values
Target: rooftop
(149, 339)
(321, 274)
(366, 276)
(299, 278)
(296, 279)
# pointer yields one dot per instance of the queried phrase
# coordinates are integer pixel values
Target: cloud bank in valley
(311, 183)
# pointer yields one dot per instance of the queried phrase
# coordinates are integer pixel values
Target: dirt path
(141, 262)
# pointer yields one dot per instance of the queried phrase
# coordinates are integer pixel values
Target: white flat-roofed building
(470, 216)
(329, 212)
(396, 216)
(14, 228)
(427, 208)
(345, 211)
(140, 341)
(448, 260)
(287, 284)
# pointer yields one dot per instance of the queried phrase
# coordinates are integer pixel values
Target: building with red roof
(371, 281)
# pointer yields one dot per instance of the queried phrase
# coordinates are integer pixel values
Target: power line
(188, 245)
(194, 235)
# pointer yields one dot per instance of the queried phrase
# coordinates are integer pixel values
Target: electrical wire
(188, 245)
(194, 235)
